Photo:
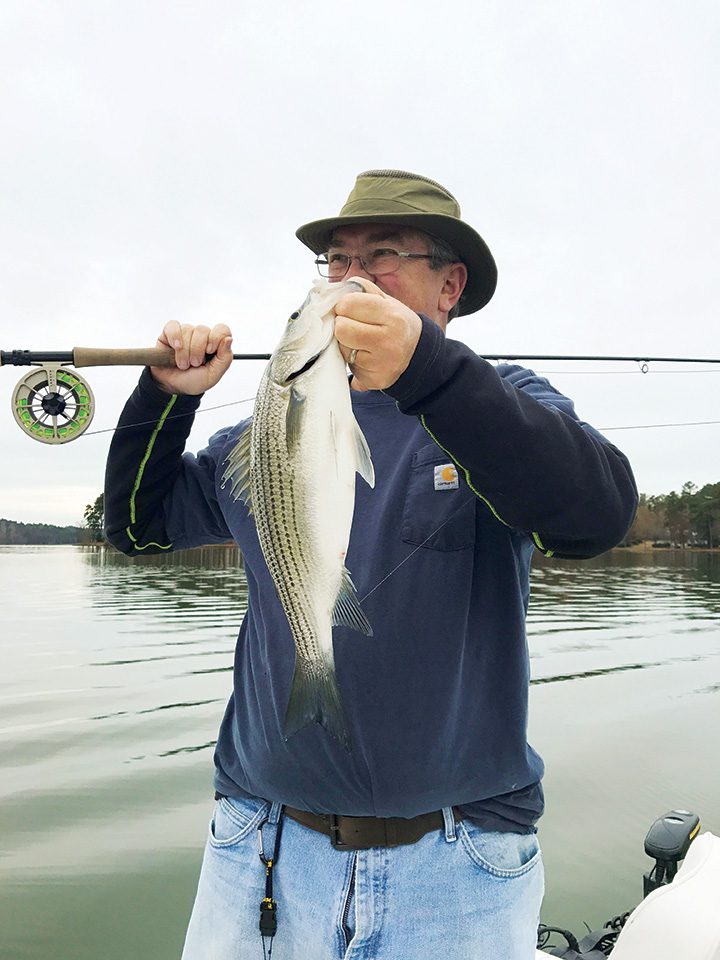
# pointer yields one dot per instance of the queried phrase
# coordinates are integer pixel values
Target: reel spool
(53, 404)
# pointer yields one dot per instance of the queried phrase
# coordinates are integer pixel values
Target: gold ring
(353, 357)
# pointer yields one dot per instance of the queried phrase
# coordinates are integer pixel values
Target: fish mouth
(305, 367)
(312, 360)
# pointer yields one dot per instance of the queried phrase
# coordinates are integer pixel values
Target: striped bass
(295, 469)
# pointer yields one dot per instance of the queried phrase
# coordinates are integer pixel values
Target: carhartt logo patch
(446, 477)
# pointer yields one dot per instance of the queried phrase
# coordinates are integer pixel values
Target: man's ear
(455, 280)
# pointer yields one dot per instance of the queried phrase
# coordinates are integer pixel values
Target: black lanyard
(268, 906)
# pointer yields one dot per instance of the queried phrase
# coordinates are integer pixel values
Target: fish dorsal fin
(363, 460)
(238, 466)
(347, 611)
(294, 416)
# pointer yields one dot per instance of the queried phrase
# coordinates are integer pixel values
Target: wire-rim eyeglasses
(334, 266)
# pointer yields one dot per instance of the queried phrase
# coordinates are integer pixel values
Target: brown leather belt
(361, 833)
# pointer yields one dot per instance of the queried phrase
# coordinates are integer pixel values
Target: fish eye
(293, 316)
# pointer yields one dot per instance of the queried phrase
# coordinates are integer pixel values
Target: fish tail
(315, 698)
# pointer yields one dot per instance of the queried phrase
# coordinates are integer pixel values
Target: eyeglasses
(376, 262)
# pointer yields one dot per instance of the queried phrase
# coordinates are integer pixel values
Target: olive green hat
(395, 196)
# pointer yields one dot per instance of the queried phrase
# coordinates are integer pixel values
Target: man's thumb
(223, 356)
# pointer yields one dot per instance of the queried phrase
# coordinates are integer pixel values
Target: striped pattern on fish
(295, 468)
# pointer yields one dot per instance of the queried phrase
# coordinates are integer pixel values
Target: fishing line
(175, 416)
(615, 373)
(418, 547)
(647, 426)
(654, 426)
(234, 403)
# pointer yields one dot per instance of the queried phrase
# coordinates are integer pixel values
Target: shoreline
(647, 547)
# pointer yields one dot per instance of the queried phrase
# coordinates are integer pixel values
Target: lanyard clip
(261, 852)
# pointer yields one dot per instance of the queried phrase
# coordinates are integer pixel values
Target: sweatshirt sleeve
(520, 446)
(156, 499)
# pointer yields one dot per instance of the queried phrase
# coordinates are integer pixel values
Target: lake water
(113, 680)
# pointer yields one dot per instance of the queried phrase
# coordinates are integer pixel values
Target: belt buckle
(335, 833)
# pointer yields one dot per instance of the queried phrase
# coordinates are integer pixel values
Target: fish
(294, 467)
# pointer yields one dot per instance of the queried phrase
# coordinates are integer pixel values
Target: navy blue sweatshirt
(476, 466)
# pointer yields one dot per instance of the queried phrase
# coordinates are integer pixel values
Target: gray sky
(156, 158)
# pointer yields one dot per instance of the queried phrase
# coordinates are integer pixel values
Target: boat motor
(667, 842)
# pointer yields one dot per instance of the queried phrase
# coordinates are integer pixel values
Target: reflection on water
(226, 557)
(626, 587)
(559, 678)
(164, 706)
(114, 678)
(176, 592)
(623, 612)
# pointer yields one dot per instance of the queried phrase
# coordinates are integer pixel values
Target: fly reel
(53, 404)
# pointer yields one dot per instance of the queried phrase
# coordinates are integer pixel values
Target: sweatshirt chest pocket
(439, 511)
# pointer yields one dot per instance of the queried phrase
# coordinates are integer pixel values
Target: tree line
(16, 533)
(690, 518)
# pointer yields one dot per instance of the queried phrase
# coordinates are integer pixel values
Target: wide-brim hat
(396, 196)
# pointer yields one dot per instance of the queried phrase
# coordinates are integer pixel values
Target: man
(420, 842)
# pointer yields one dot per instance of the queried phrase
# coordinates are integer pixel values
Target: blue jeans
(462, 892)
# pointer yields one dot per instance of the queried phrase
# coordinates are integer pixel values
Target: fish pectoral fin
(363, 460)
(294, 418)
(237, 470)
(315, 698)
(347, 611)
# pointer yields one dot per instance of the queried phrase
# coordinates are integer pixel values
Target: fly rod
(54, 404)
(164, 357)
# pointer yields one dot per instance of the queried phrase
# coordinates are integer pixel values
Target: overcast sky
(156, 158)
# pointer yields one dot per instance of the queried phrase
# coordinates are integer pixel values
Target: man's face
(414, 283)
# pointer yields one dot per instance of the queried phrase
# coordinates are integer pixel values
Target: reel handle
(123, 357)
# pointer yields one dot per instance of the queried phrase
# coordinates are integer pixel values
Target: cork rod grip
(132, 357)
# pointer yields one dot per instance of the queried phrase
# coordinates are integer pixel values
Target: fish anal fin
(315, 698)
(237, 471)
(347, 611)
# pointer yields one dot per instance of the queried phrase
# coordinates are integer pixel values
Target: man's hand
(382, 330)
(191, 375)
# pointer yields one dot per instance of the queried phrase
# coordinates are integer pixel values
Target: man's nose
(356, 269)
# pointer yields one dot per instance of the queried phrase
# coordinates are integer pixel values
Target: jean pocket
(439, 511)
(499, 853)
(234, 820)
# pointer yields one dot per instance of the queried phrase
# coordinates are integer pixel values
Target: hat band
(371, 207)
